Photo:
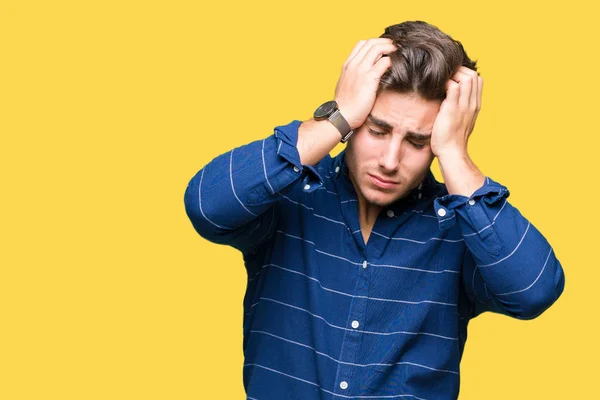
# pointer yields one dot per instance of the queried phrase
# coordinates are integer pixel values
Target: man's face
(392, 145)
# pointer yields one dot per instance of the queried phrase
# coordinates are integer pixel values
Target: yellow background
(108, 108)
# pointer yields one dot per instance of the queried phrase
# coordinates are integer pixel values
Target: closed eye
(416, 145)
(376, 133)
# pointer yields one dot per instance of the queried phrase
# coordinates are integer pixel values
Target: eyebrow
(418, 136)
(387, 127)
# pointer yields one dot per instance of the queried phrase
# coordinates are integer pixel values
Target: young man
(363, 270)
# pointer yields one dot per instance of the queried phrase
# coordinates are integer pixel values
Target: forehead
(405, 111)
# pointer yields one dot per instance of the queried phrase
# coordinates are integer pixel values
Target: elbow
(533, 308)
(539, 301)
(202, 225)
(192, 208)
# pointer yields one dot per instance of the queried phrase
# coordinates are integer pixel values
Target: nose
(389, 158)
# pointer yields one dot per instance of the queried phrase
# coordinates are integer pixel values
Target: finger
(473, 103)
(452, 92)
(473, 95)
(465, 83)
(478, 101)
(382, 65)
(377, 51)
(355, 50)
(360, 55)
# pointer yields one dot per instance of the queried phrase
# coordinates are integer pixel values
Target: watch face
(325, 110)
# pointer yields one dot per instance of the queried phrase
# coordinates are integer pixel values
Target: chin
(382, 199)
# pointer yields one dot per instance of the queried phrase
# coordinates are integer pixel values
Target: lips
(383, 183)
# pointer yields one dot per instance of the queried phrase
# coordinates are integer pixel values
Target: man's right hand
(357, 86)
(355, 94)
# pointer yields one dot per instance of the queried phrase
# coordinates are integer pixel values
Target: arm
(509, 267)
(231, 200)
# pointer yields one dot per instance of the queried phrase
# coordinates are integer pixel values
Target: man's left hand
(458, 112)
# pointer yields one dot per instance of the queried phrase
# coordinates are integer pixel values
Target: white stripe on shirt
(329, 392)
(354, 330)
(513, 252)
(231, 180)
(200, 203)
(349, 363)
(536, 279)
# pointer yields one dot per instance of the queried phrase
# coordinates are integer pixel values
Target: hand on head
(357, 86)
(458, 113)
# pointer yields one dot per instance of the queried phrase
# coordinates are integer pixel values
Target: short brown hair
(426, 58)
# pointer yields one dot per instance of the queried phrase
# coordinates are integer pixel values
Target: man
(363, 270)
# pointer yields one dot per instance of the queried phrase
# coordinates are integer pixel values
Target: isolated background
(108, 108)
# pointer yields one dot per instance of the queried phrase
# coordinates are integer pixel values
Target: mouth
(382, 183)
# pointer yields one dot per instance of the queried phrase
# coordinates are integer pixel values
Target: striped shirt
(327, 316)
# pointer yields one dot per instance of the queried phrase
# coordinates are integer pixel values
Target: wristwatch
(329, 110)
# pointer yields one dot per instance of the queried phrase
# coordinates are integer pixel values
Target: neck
(367, 215)
(367, 212)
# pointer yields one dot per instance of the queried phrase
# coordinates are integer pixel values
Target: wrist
(452, 155)
(315, 140)
(330, 110)
(349, 114)
(461, 175)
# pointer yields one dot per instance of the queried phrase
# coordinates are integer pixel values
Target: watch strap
(338, 120)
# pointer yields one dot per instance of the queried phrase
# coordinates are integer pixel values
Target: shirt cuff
(287, 140)
(447, 206)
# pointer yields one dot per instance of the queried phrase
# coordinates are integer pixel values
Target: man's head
(393, 142)
(426, 58)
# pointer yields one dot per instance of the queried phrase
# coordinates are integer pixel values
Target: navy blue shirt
(327, 316)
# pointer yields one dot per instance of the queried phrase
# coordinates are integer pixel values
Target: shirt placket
(347, 377)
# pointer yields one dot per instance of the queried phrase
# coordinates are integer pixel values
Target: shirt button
(365, 264)
(337, 169)
(306, 187)
(471, 202)
(344, 385)
(355, 324)
(296, 169)
(441, 212)
(390, 213)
